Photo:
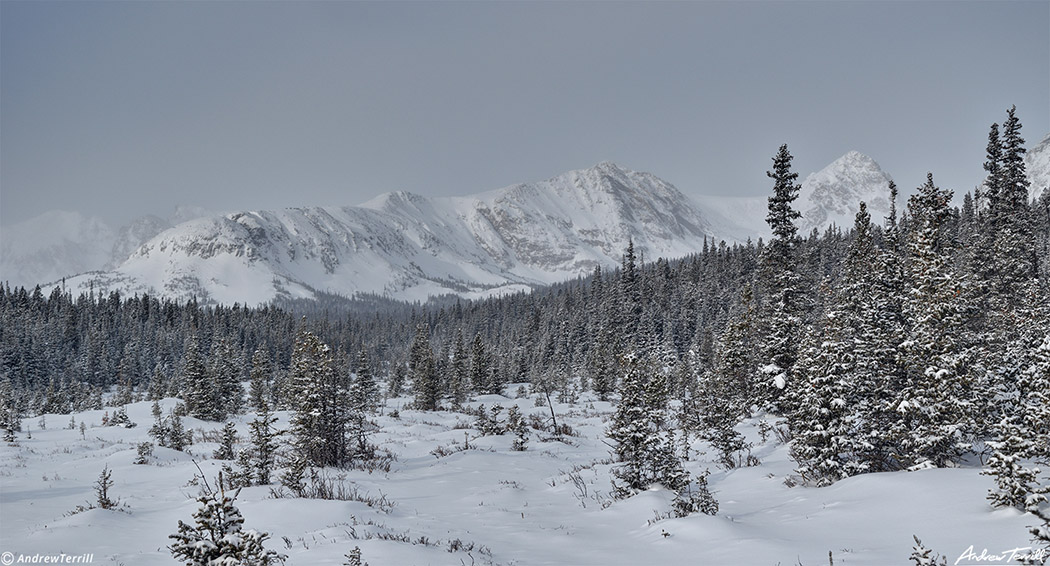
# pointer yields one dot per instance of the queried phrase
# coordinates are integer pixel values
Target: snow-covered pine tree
(698, 498)
(736, 359)
(1034, 389)
(516, 425)
(888, 327)
(843, 372)
(224, 372)
(363, 397)
(1023, 433)
(426, 384)
(630, 285)
(198, 391)
(10, 420)
(226, 451)
(1014, 258)
(260, 376)
(169, 432)
(217, 536)
(1014, 480)
(365, 390)
(459, 372)
(781, 319)
(935, 405)
(128, 370)
(1005, 274)
(102, 487)
(395, 386)
(644, 444)
(601, 371)
(319, 420)
(481, 370)
(712, 415)
(821, 418)
(923, 556)
(987, 206)
(258, 459)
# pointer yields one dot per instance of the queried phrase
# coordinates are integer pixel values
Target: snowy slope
(407, 246)
(1037, 165)
(444, 504)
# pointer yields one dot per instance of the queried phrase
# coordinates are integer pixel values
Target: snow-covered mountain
(828, 197)
(53, 245)
(833, 194)
(407, 246)
(1037, 164)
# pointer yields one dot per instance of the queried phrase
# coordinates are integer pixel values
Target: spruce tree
(481, 370)
(319, 420)
(846, 370)
(935, 404)
(644, 444)
(198, 391)
(459, 372)
(713, 415)
(363, 396)
(10, 419)
(224, 372)
(102, 487)
(1015, 481)
(261, 374)
(226, 443)
(218, 536)
(423, 371)
(258, 459)
(736, 359)
(1013, 264)
(782, 317)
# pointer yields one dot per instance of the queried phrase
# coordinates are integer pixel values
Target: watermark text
(1008, 556)
(8, 558)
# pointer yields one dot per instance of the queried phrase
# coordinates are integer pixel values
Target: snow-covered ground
(443, 504)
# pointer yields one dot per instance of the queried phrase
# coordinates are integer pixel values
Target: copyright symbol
(7, 558)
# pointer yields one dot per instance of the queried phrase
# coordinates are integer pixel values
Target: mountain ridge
(406, 246)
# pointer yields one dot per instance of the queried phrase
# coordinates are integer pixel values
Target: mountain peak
(609, 166)
(853, 162)
(833, 194)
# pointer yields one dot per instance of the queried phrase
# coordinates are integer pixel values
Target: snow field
(443, 504)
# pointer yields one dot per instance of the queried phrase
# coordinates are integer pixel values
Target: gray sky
(122, 108)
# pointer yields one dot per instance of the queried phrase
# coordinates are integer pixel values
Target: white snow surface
(547, 505)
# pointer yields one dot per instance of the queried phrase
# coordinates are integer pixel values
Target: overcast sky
(123, 108)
